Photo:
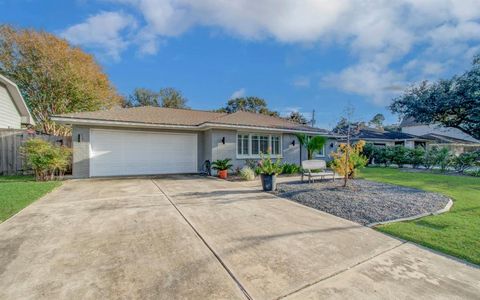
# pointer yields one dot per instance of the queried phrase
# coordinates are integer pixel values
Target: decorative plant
(46, 159)
(465, 160)
(443, 158)
(222, 164)
(400, 156)
(290, 168)
(311, 143)
(348, 159)
(429, 159)
(269, 167)
(247, 173)
(415, 156)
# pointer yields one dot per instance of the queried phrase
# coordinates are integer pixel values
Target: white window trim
(321, 155)
(250, 144)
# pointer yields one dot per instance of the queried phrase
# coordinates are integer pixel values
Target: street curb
(441, 211)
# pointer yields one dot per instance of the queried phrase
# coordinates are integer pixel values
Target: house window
(275, 145)
(260, 144)
(252, 145)
(321, 152)
(243, 144)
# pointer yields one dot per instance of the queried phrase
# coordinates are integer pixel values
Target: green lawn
(17, 192)
(456, 232)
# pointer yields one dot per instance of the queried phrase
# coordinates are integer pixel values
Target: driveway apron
(279, 249)
(107, 239)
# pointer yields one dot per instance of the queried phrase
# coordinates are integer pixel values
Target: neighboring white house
(13, 111)
(410, 126)
(452, 138)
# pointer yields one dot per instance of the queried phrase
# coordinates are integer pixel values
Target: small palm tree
(311, 143)
(222, 164)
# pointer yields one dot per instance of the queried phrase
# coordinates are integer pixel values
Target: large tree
(143, 97)
(343, 126)
(377, 121)
(453, 102)
(297, 117)
(166, 97)
(172, 98)
(251, 104)
(54, 77)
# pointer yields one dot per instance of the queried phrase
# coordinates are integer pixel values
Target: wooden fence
(11, 160)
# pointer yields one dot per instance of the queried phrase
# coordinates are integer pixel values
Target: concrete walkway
(198, 238)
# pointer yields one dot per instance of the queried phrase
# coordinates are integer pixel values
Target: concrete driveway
(187, 237)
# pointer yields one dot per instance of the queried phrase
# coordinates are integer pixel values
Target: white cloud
(380, 35)
(369, 80)
(238, 93)
(102, 32)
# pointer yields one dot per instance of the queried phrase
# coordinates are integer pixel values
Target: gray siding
(209, 147)
(227, 150)
(9, 115)
(290, 153)
(81, 151)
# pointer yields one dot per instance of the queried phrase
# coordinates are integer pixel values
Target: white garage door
(119, 152)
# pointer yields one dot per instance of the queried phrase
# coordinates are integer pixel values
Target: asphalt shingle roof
(371, 133)
(188, 117)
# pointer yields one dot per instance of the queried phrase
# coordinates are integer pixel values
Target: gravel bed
(363, 201)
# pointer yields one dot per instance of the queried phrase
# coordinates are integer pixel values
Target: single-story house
(452, 138)
(14, 113)
(411, 126)
(382, 138)
(154, 140)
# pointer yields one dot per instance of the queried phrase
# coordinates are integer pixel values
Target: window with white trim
(275, 148)
(243, 145)
(253, 144)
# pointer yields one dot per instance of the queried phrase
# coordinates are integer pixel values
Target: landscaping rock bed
(363, 201)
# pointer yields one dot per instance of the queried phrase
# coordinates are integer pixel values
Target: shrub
(370, 152)
(290, 168)
(251, 163)
(47, 160)
(355, 159)
(464, 161)
(415, 156)
(247, 173)
(429, 160)
(399, 156)
(443, 158)
(384, 155)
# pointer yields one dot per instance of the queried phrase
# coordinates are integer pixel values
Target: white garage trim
(129, 152)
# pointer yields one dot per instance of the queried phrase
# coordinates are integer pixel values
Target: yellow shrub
(355, 159)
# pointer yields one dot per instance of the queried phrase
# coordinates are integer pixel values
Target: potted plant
(222, 166)
(269, 170)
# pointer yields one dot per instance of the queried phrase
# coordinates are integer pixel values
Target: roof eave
(201, 127)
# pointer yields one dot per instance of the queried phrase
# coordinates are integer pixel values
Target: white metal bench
(308, 166)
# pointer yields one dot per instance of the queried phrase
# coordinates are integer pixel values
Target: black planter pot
(269, 182)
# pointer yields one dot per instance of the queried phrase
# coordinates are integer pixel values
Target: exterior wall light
(293, 143)
(223, 140)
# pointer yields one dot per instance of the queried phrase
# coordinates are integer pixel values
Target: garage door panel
(118, 152)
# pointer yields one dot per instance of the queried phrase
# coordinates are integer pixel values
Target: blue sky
(321, 55)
